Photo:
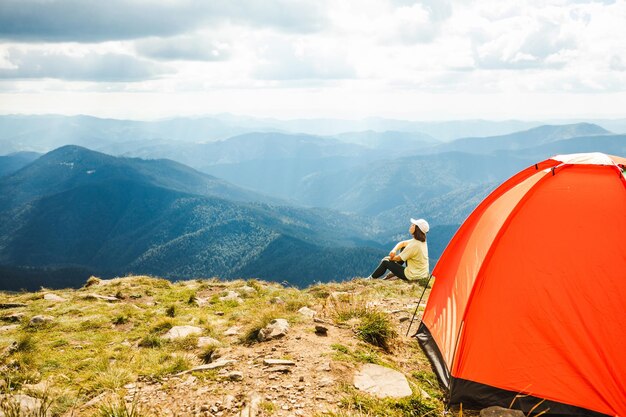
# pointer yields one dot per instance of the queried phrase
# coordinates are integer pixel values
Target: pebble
(321, 330)
(235, 376)
(281, 362)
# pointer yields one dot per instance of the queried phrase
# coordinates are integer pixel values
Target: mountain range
(298, 207)
(43, 133)
(82, 209)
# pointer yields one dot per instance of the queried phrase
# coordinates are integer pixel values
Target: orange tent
(529, 302)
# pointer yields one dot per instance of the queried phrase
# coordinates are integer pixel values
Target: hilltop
(116, 343)
(91, 213)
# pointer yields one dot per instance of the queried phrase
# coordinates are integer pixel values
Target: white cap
(422, 224)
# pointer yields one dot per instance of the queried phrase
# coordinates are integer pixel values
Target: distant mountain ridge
(82, 210)
(71, 166)
(138, 217)
(14, 161)
(537, 136)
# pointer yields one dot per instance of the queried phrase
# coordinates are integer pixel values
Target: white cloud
(186, 48)
(79, 67)
(360, 54)
(301, 59)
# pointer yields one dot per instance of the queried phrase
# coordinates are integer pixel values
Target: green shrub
(162, 326)
(423, 282)
(252, 334)
(365, 405)
(171, 311)
(377, 329)
(25, 344)
(92, 281)
(206, 355)
(120, 319)
(119, 408)
(340, 348)
(151, 341)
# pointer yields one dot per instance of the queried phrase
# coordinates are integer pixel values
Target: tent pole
(418, 305)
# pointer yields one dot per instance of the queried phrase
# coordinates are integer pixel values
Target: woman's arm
(396, 248)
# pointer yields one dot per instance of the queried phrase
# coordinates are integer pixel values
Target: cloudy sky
(420, 60)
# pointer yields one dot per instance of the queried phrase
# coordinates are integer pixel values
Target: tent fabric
(531, 291)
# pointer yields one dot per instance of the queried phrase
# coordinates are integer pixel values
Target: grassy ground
(94, 348)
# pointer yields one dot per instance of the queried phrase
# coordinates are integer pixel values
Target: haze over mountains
(277, 205)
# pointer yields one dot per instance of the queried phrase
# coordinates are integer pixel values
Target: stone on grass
(11, 305)
(276, 329)
(179, 332)
(54, 297)
(500, 412)
(26, 405)
(9, 327)
(108, 298)
(307, 312)
(246, 289)
(232, 331)
(382, 382)
(231, 296)
(13, 318)
(208, 341)
(222, 363)
(40, 319)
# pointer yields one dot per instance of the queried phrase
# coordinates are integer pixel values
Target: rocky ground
(212, 348)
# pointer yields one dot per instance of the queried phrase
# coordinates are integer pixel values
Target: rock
(95, 400)
(276, 329)
(54, 297)
(325, 367)
(108, 298)
(307, 312)
(321, 330)
(9, 350)
(232, 331)
(277, 300)
(179, 332)
(280, 369)
(40, 319)
(25, 405)
(235, 376)
(326, 381)
(222, 363)
(208, 341)
(340, 295)
(9, 327)
(39, 388)
(13, 318)
(279, 362)
(229, 401)
(424, 394)
(246, 289)
(500, 412)
(4, 306)
(382, 382)
(231, 295)
(403, 319)
(251, 408)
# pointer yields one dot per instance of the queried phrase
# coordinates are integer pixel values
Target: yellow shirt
(415, 254)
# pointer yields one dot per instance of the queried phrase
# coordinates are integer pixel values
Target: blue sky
(421, 60)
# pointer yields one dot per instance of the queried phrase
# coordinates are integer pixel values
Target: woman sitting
(414, 253)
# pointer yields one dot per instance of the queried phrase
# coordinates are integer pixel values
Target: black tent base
(474, 395)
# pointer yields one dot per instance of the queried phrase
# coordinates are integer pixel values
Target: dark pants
(396, 268)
